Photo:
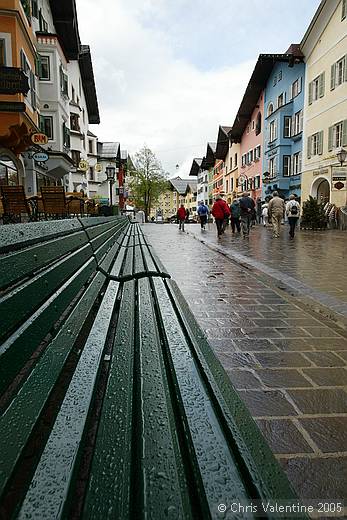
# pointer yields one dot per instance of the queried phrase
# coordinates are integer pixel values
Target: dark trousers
(235, 223)
(292, 225)
(220, 225)
(203, 220)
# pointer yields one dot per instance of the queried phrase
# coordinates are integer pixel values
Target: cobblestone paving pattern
(316, 260)
(288, 366)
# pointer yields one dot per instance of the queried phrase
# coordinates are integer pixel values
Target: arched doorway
(11, 169)
(323, 191)
(320, 190)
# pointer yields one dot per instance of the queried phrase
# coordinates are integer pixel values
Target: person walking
(181, 216)
(276, 210)
(265, 212)
(235, 213)
(246, 210)
(220, 211)
(203, 214)
(293, 214)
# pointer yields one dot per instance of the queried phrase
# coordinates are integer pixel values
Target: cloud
(153, 85)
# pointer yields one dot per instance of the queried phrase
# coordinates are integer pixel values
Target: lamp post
(110, 174)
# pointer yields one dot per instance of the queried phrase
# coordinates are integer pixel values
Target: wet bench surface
(113, 404)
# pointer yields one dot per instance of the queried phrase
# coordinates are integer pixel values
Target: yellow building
(190, 201)
(325, 48)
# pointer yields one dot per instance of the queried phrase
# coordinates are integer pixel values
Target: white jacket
(289, 206)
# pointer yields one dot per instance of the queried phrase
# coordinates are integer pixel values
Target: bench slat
(20, 417)
(16, 350)
(20, 303)
(50, 484)
(16, 266)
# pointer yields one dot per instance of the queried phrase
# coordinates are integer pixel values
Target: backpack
(294, 210)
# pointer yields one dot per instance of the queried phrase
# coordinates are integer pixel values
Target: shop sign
(322, 171)
(339, 178)
(98, 167)
(15, 106)
(39, 138)
(40, 157)
(13, 81)
(83, 166)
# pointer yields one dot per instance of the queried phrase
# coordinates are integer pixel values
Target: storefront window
(8, 172)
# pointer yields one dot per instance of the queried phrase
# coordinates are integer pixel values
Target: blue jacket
(202, 209)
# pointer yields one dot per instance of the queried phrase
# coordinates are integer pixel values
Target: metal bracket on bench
(135, 276)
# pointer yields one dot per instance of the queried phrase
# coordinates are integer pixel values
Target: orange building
(18, 110)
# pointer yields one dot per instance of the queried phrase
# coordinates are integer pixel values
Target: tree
(148, 180)
(313, 215)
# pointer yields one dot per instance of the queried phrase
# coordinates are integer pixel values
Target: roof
(65, 22)
(209, 159)
(192, 186)
(87, 75)
(194, 170)
(222, 142)
(256, 85)
(313, 22)
(109, 150)
(180, 185)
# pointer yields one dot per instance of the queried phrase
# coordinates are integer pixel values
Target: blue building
(283, 125)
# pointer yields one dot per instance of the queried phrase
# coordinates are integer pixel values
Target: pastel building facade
(325, 113)
(283, 125)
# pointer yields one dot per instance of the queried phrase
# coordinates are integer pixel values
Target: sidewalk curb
(307, 296)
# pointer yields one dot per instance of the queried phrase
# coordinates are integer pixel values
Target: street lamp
(110, 174)
(342, 156)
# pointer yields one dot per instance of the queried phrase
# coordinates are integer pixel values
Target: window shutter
(300, 85)
(275, 128)
(321, 84)
(300, 162)
(332, 78)
(320, 142)
(301, 123)
(345, 69)
(309, 147)
(310, 92)
(330, 138)
(344, 133)
(292, 130)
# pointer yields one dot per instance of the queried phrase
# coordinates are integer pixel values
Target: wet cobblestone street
(287, 362)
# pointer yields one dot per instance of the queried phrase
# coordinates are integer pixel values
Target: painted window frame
(287, 125)
(272, 167)
(44, 57)
(273, 131)
(270, 109)
(43, 119)
(287, 165)
(296, 163)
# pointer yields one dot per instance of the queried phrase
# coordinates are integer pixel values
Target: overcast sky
(168, 72)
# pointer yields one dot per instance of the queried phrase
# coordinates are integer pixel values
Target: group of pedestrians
(242, 214)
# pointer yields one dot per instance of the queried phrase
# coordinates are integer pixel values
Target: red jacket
(220, 210)
(181, 213)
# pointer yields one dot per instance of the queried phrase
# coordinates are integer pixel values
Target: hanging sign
(98, 167)
(83, 165)
(39, 138)
(339, 178)
(40, 157)
(13, 81)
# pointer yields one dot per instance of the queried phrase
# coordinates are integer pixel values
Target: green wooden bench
(113, 404)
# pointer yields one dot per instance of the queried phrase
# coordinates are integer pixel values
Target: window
(286, 165)
(279, 75)
(250, 157)
(227, 186)
(253, 124)
(91, 173)
(337, 135)
(338, 73)
(316, 88)
(315, 144)
(45, 71)
(235, 160)
(2, 52)
(297, 123)
(243, 160)
(46, 126)
(297, 163)
(230, 163)
(74, 122)
(270, 109)
(34, 9)
(258, 124)
(344, 10)
(273, 131)
(42, 23)
(280, 100)
(72, 93)
(90, 146)
(257, 153)
(76, 157)
(272, 167)
(66, 136)
(257, 182)
(64, 84)
(296, 87)
(287, 126)
(275, 80)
